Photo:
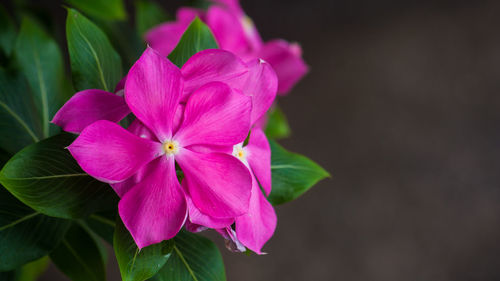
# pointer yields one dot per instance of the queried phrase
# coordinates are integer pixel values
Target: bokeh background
(402, 106)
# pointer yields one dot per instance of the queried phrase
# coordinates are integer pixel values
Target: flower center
(239, 152)
(170, 147)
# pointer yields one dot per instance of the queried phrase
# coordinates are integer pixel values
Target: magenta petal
(163, 38)
(257, 226)
(259, 158)
(111, 154)
(215, 115)
(228, 30)
(89, 106)
(153, 90)
(232, 242)
(219, 184)
(261, 85)
(155, 209)
(198, 218)
(212, 65)
(286, 60)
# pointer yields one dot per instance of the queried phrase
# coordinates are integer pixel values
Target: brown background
(402, 107)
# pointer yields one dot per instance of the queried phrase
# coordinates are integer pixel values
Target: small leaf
(148, 14)
(25, 234)
(45, 177)
(94, 62)
(41, 61)
(277, 124)
(33, 270)
(79, 257)
(19, 122)
(198, 37)
(194, 258)
(7, 32)
(292, 174)
(102, 9)
(135, 264)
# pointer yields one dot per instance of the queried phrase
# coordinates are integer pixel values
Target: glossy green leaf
(195, 258)
(25, 234)
(41, 61)
(103, 224)
(148, 14)
(7, 32)
(135, 264)
(277, 124)
(33, 270)
(103, 9)
(94, 62)
(45, 177)
(292, 174)
(198, 37)
(79, 257)
(19, 122)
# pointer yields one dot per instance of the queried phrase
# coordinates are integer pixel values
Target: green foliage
(147, 15)
(292, 174)
(103, 224)
(7, 33)
(25, 234)
(32, 270)
(40, 59)
(47, 178)
(198, 37)
(94, 62)
(194, 258)
(135, 264)
(102, 9)
(19, 123)
(277, 124)
(79, 256)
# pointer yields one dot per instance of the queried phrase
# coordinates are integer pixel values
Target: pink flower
(215, 115)
(255, 79)
(254, 228)
(235, 32)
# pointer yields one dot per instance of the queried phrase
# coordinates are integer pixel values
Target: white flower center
(240, 152)
(170, 147)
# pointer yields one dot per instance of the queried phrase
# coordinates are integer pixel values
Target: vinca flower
(215, 115)
(235, 32)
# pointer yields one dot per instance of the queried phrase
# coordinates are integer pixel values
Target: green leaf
(7, 32)
(102, 9)
(198, 37)
(94, 62)
(292, 174)
(25, 234)
(148, 14)
(19, 123)
(41, 61)
(277, 124)
(79, 257)
(103, 224)
(33, 270)
(135, 264)
(45, 177)
(194, 258)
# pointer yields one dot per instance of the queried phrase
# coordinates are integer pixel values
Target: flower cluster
(195, 155)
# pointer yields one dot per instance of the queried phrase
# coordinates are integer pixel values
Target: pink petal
(232, 242)
(219, 184)
(198, 218)
(111, 154)
(257, 226)
(286, 60)
(261, 85)
(89, 106)
(155, 209)
(152, 91)
(215, 115)
(228, 30)
(195, 228)
(212, 65)
(259, 158)
(139, 129)
(120, 84)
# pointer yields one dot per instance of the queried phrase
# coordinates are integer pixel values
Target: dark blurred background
(402, 107)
